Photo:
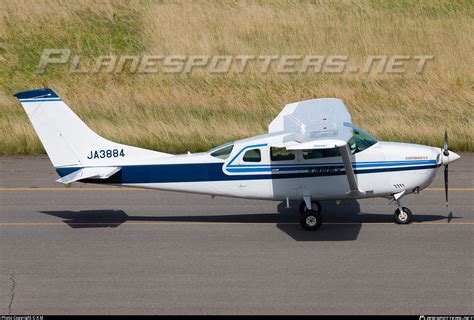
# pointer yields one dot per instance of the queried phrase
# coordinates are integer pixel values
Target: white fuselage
(384, 169)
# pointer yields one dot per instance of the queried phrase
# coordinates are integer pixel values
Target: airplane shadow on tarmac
(342, 221)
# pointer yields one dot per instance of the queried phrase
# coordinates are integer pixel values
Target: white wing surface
(313, 124)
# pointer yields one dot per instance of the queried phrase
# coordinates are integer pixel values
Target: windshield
(221, 152)
(361, 140)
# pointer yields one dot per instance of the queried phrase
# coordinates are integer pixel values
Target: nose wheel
(402, 215)
(311, 219)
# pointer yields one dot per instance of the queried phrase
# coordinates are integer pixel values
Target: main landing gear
(310, 219)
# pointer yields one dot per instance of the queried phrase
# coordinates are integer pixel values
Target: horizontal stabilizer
(87, 173)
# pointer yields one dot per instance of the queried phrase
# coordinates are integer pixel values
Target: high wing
(313, 124)
(316, 124)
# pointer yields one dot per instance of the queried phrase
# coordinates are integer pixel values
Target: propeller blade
(445, 145)
(446, 183)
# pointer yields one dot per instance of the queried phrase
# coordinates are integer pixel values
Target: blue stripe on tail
(38, 93)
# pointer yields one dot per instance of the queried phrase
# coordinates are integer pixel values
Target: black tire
(404, 218)
(311, 220)
(315, 204)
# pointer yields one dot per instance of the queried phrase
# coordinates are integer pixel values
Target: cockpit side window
(222, 152)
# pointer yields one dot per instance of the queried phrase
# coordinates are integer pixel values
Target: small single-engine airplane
(311, 152)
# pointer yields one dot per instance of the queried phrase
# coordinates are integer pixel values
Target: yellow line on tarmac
(450, 189)
(72, 189)
(209, 223)
(143, 189)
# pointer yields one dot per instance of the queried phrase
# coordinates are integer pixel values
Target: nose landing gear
(402, 215)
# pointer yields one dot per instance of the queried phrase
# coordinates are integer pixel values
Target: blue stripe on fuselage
(201, 172)
(322, 166)
(355, 164)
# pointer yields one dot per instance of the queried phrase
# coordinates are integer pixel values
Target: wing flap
(90, 172)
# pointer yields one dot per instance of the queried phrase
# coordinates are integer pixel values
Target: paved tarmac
(90, 249)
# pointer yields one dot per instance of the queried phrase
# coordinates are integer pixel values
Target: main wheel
(311, 220)
(316, 206)
(402, 217)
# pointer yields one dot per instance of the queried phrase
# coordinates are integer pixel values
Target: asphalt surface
(94, 250)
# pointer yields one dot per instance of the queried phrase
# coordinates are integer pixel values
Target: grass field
(176, 113)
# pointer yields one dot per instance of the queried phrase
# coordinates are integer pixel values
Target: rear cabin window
(320, 153)
(253, 155)
(281, 154)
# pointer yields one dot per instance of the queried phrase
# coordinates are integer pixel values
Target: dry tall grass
(175, 113)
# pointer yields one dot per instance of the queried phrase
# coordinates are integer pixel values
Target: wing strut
(346, 158)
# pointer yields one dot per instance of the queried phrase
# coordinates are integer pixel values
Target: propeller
(446, 183)
(446, 154)
(445, 145)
